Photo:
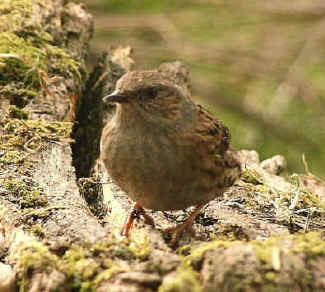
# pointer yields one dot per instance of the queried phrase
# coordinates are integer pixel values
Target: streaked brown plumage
(162, 149)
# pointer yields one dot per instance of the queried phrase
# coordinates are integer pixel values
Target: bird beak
(115, 96)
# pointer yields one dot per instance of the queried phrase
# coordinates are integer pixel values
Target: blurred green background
(257, 65)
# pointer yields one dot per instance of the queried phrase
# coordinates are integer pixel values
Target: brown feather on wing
(213, 130)
(215, 139)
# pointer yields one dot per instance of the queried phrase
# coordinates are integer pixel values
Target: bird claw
(136, 212)
(176, 232)
(178, 229)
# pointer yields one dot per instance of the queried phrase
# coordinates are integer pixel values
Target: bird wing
(212, 132)
(213, 139)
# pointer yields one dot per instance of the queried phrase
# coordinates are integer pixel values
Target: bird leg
(178, 229)
(136, 212)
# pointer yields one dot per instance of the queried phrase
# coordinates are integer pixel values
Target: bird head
(140, 86)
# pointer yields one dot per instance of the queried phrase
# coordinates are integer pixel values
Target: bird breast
(155, 167)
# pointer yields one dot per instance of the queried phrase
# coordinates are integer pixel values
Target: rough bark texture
(59, 235)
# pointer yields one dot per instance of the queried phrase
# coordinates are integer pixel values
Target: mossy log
(57, 234)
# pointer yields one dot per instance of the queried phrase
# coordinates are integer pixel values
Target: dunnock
(163, 150)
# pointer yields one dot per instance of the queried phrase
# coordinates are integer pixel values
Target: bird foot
(136, 212)
(176, 232)
(178, 229)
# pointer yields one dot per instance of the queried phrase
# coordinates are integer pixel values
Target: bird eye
(149, 92)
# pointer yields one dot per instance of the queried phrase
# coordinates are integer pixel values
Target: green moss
(41, 213)
(140, 246)
(270, 276)
(185, 249)
(229, 232)
(61, 62)
(26, 195)
(186, 280)
(252, 176)
(110, 270)
(29, 67)
(17, 113)
(22, 137)
(263, 249)
(306, 196)
(282, 199)
(13, 14)
(86, 266)
(17, 93)
(83, 267)
(21, 58)
(197, 254)
(84, 272)
(125, 249)
(79, 268)
(312, 243)
(37, 229)
(11, 156)
(270, 253)
(19, 140)
(28, 56)
(32, 258)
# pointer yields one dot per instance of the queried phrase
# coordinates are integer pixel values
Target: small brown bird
(163, 150)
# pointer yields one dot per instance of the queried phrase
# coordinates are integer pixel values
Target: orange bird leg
(136, 212)
(178, 229)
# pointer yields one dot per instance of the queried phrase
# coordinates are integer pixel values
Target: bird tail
(233, 169)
